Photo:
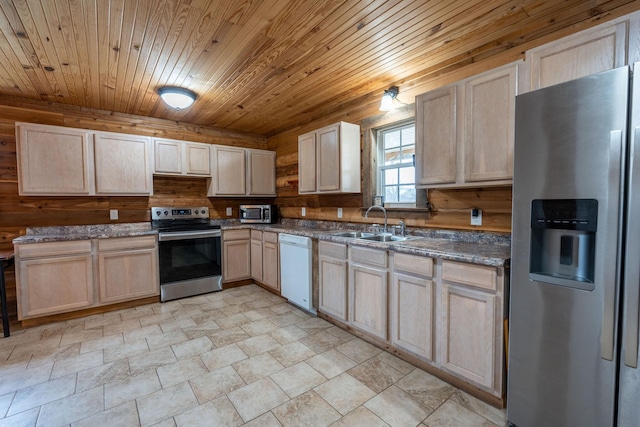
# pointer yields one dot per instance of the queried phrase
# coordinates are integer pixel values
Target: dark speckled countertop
(466, 246)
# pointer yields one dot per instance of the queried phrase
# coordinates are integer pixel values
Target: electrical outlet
(303, 212)
(229, 211)
(476, 216)
(113, 214)
(339, 212)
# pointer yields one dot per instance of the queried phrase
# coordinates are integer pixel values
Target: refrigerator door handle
(607, 339)
(631, 279)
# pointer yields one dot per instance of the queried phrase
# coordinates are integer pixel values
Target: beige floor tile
(290, 354)
(72, 408)
(340, 333)
(257, 367)
(192, 347)
(308, 409)
(375, 374)
(213, 305)
(125, 415)
(52, 355)
(232, 319)
(360, 417)
(166, 403)
(156, 319)
(281, 308)
(314, 324)
(143, 332)
(265, 420)
(102, 374)
(358, 350)
(182, 370)
(452, 414)
(430, 391)
(331, 363)
(24, 378)
(493, 414)
(395, 362)
(80, 336)
(26, 418)
(201, 329)
(42, 394)
(131, 388)
(321, 341)
(396, 407)
(214, 384)
(258, 314)
(151, 359)
(259, 327)
(128, 349)
(288, 334)
(257, 398)
(225, 337)
(344, 393)
(5, 402)
(107, 319)
(231, 310)
(137, 312)
(188, 312)
(176, 325)
(219, 412)
(169, 422)
(74, 364)
(101, 343)
(256, 345)
(124, 326)
(164, 340)
(285, 319)
(221, 357)
(298, 379)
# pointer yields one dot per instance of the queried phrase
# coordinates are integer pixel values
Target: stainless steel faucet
(384, 211)
(401, 225)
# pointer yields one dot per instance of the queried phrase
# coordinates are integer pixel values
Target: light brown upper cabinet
(182, 158)
(54, 160)
(242, 172)
(123, 164)
(329, 160)
(465, 131)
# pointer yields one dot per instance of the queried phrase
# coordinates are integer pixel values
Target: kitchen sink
(355, 234)
(386, 238)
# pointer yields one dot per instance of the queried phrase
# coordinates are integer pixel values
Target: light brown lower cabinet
(236, 255)
(332, 267)
(256, 255)
(270, 260)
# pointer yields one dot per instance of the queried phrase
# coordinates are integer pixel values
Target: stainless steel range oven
(190, 252)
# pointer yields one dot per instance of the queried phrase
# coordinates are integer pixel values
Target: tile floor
(240, 357)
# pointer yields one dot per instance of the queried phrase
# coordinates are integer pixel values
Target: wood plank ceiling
(260, 66)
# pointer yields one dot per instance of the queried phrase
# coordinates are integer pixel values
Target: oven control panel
(179, 213)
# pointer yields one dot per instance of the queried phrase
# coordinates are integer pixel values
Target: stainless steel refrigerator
(575, 265)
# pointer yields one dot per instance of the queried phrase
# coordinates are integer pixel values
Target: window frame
(380, 168)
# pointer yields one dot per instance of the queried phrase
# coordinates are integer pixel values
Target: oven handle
(182, 235)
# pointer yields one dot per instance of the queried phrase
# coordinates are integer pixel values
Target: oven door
(189, 258)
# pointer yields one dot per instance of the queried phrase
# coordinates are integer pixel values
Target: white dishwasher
(295, 270)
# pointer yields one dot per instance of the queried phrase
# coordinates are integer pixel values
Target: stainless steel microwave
(258, 214)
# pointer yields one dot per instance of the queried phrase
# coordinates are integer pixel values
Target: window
(396, 166)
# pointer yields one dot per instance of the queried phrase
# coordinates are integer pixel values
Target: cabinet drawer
(369, 256)
(236, 234)
(126, 243)
(470, 274)
(270, 237)
(334, 250)
(256, 235)
(54, 248)
(420, 265)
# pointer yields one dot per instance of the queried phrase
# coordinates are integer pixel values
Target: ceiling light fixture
(177, 97)
(387, 99)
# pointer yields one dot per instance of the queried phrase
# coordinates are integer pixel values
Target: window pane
(407, 175)
(391, 139)
(391, 194)
(407, 153)
(390, 176)
(409, 135)
(392, 156)
(407, 194)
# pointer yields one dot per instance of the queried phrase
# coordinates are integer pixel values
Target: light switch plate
(113, 214)
(339, 212)
(303, 212)
(476, 216)
(229, 211)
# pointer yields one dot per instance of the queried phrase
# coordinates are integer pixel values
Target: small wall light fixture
(177, 97)
(387, 98)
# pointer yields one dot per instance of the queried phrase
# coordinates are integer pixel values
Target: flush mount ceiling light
(388, 97)
(177, 97)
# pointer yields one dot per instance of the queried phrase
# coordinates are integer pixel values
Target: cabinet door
(333, 287)
(307, 163)
(256, 260)
(270, 264)
(54, 161)
(228, 171)
(368, 299)
(167, 156)
(54, 285)
(592, 51)
(328, 160)
(412, 312)
(236, 260)
(128, 275)
(436, 137)
(197, 159)
(123, 164)
(262, 173)
(489, 125)
(468, 328)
